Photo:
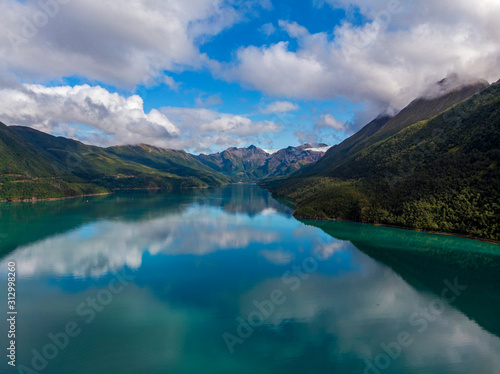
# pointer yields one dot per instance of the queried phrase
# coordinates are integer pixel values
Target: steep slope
(384, 127)
(27, 171)
(289, 160)
(438, 174)
(240, 164)
(20, 160)
(253, 164)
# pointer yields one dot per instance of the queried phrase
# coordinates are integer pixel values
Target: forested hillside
(437, 174)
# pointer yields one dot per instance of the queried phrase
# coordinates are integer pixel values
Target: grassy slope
(27, 171)
(169, 161)
(440, 174)
(35, 164)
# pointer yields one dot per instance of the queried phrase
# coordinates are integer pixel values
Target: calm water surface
(227, 281)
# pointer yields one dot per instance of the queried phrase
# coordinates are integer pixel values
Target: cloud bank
(96, 116)
(120, 42)
(385, 63)
(378, 66)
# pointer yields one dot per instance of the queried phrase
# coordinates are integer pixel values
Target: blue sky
(204, 75)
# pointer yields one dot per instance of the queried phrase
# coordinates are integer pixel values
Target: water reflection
(24, 223)
(425, 260)
(108, 246)
(201, 259)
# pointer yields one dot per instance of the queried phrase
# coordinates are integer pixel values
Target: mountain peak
(453, 83)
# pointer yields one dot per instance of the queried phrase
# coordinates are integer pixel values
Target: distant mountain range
(38, 165)
(253, 164)
(434, 166)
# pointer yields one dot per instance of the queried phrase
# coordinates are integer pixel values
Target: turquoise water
(227, 281)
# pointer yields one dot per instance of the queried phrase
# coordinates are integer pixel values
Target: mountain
(384, 127)
(35, 164)
(253, 164)
(421, 169)
(38, 165)
(240, 164)
(27, 171)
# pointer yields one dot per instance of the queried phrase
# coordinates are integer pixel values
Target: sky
(205, 75)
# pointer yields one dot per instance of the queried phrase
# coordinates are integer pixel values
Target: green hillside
(440, 173)
(27, 172)
(384, 127)
(37, 165)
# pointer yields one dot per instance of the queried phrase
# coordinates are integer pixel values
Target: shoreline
(490, 241)
(484, 240)
(34, 200)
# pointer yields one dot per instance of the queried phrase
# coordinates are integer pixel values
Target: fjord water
(172, 282)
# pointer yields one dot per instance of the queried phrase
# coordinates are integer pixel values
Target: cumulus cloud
(268, 29)
(385, 63)
(95, 115)
(122, 42)
(280, 107)
(327, 120)
(112, 118)
(203, 129)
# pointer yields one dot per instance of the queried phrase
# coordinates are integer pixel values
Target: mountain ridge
(385, 126)
(252, 164)
(36, 165)
(438, 174)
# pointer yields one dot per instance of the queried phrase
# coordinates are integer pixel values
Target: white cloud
(384, 63)
(121, 42)
(203, 129)
(114, 119)
(327, 120)
(170, 82)
(268, 29)
(280, 107)
(293, 29)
